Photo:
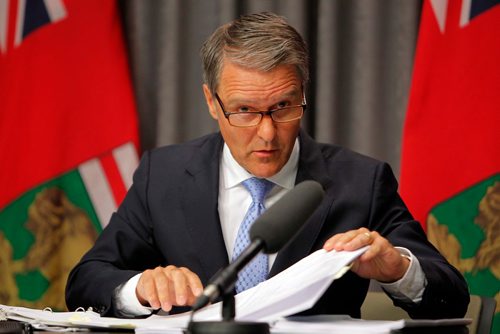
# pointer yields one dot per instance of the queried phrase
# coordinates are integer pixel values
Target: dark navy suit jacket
(170, 217)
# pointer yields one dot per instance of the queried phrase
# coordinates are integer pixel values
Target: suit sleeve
(125, 248)
(446, 293)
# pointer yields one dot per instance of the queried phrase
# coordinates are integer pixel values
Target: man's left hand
(381, 261)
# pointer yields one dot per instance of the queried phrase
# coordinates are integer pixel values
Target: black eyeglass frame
(303, 105)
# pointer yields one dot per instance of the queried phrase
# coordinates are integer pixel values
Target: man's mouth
(265, 153)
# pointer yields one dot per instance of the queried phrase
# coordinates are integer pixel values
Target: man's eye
(282, 104)
(243, 109)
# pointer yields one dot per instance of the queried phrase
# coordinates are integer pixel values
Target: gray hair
(256, 41)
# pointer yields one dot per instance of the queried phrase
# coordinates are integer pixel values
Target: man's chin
(264, 170)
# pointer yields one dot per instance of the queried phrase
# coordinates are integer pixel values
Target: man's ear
(210, 99)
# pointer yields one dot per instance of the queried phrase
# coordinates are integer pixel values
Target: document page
(295, 289)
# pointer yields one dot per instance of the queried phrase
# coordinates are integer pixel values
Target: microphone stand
(228, 307)
(227, 325)
(225, 284)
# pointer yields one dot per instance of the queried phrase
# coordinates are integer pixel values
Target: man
(178, 224)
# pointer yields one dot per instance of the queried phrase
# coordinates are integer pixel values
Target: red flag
(68, 138)
(451, 134)
(450, 174)
(65, 92)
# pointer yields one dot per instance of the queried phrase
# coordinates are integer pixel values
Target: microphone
(270, 232)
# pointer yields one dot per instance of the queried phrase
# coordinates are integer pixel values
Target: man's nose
(267, 128)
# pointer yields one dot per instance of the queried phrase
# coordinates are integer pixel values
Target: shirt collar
(232, 174)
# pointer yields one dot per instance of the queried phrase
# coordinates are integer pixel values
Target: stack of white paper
(294, 290)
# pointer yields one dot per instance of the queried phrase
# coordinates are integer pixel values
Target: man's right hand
(164, 287)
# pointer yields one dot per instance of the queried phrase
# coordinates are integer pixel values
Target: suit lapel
(200, 205)
(311, 167)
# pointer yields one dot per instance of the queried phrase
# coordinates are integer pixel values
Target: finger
(329, 244)
(338, 241)
(362, 238)
(180, 287)
(343, 239)
(379, 246)
(164, 288)
(194, 284)
(146, 290)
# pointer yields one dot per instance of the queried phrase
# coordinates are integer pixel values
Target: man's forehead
(240, 81)
(249, 96)
(229, 68)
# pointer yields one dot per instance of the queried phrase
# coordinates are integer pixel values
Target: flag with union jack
(450, 173)
(68, 140)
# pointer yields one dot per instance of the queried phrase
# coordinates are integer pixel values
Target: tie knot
(258, 188)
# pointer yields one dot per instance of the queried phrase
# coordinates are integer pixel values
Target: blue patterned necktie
(256, 271)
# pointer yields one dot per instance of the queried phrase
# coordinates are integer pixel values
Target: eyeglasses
(253, 117)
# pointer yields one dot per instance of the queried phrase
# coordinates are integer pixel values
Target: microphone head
(282, 221)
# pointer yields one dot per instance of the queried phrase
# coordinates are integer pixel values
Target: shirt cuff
(126, 301)
(411, 286)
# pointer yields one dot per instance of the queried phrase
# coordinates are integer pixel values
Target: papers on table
(294, 290)
(333, 324)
